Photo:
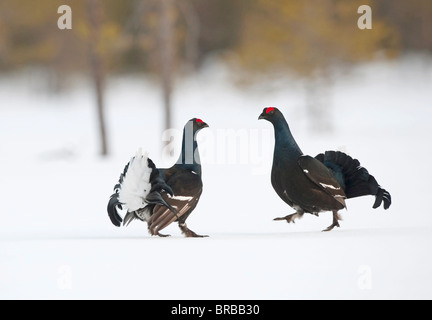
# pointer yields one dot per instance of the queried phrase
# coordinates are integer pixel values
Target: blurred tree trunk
(166, 47)
(95, 11)
(191, 17)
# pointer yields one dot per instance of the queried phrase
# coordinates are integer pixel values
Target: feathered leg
(161, 222)
(336, 219)
(291, 217)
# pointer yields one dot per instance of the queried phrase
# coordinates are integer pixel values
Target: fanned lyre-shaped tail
(354, 179)
(140, 185)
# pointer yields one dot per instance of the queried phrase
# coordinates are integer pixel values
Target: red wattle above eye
(269, 109)
(199, 121)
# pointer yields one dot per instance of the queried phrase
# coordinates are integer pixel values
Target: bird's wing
(322, 177)
(187, 189)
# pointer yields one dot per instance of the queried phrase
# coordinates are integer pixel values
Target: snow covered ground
(56, 241)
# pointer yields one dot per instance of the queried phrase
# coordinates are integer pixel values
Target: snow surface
(56, 241)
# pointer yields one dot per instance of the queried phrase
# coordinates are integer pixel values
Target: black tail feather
(354, 179)
(138, 214)
(159, 185)
(156, 198)
(113, 204)
(129, 217)
(382, 196)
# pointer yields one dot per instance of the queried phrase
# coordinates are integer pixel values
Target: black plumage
(174, 191)
(312, 185)
(354, 179)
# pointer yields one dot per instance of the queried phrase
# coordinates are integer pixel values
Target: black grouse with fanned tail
(161, 196)
(312, 185)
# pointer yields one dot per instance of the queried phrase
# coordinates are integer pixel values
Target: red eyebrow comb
(199, 121)
(269, 109)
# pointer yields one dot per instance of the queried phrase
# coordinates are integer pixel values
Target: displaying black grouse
(312, 185)
(161, 196)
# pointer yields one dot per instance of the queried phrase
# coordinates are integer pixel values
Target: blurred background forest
(76, 104)
(167, 39)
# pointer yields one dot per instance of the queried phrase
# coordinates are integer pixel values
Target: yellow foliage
(308, 35)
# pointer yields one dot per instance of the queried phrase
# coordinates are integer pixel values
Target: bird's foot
(160, 234)
(336, 218)
(188, 232)
(331, 227)
(155, 232)
(290, 218)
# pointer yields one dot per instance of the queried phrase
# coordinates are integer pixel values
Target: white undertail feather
(136, 183)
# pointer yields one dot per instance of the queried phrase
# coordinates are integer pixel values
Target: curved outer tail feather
(354, 179)
(113, 204)
(140, 186)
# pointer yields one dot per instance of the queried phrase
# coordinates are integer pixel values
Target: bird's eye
(199, 121)
(269, 110)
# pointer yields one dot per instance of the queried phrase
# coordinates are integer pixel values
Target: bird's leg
(188, 232)
(291, 217)
(336, 219)
(156, 224)
(155, 232)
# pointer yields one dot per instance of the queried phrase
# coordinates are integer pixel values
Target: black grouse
(312, 185)
(161, 196)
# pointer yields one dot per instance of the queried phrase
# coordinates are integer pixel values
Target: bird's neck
(285, 143)
(189, 158)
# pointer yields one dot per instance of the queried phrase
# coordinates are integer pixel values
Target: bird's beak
(205, 125)
(262, 116)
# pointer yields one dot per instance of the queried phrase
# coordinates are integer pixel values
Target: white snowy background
(56, 241)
